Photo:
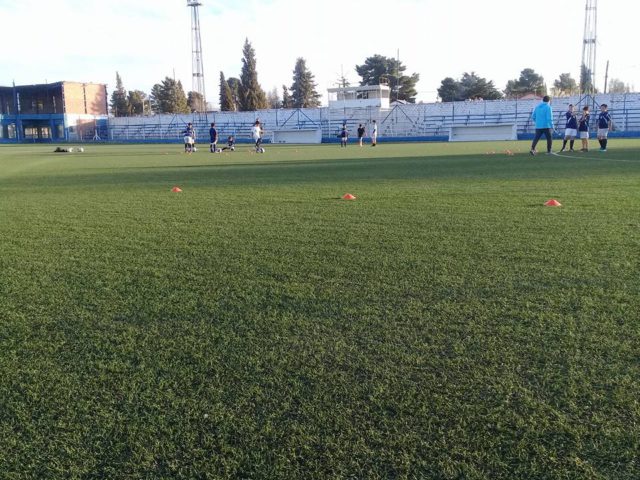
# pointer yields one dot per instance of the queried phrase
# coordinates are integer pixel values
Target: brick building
(60, 111)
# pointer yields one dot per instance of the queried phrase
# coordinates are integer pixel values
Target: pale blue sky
(147, 40)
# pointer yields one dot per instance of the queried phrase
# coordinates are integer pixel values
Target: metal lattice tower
(588, 65)
(196, 53)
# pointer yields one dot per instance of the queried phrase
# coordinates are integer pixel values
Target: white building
(359, 97)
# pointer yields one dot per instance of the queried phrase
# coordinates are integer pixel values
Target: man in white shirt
(374, 134)
(256, 134)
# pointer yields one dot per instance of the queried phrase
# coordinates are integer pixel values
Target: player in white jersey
(374, 134)
(256, 134)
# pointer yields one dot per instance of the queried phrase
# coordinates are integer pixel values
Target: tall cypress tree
(226, 95)
(303, 90)
(252, 97)
(119, 103)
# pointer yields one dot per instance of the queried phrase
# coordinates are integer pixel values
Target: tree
(379, 70)
(273, 98)
(119, 104)
(287, 101)
(470, 86)
(586, 82)
(618, 86)
(449, 90)
(195, 101)
(565, 85)
(529, 82)
(138, 104)
(234, 85)
(168, 97)
(303, 89)
(227, 103)
(252, 97)
(474, 87)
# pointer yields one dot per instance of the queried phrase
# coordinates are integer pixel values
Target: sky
(147, 40)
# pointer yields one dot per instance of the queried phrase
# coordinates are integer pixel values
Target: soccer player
(344, 135)
(360, 134)
(583, 128)
(213, 134)
(604, 125)
(189, 135)
(231, 142)
(571, 129)
(374, 134)
(256, 134)
(543, 117)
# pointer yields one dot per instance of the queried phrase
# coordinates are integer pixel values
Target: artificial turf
(444, 325)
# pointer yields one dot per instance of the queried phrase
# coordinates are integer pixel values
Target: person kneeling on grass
(543, 117)
(231, 144)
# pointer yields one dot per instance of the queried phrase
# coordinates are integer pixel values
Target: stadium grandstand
(77, 112)
(53, 112)
(409, 122)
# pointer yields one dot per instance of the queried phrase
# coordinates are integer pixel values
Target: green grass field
(445, 325)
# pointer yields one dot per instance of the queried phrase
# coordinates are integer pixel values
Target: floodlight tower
(196, 53)
(588, 65)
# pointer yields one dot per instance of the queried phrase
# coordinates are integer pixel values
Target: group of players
(542, 116)
(580, 127)
(189, 137)
(344, 134)
(574, 127)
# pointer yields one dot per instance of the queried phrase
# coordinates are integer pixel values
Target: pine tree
(252, 97)
(119, 103)
(273, 98)
(137, 103)
(235, 86)
(303, 90)
(226, 95)
(379, 70)
(168, 97)
(195, 102)
(287, 101)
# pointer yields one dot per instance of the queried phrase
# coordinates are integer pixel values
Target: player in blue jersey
(543, 117)
(213, 136)
(189, 135)
(344, 135)
(571, 129)
(583, 128)
(604, 126)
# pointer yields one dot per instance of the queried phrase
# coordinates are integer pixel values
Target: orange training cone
(176, 190)
(553, 203)
(348, 196)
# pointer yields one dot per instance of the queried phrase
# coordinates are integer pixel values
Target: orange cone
(176, 190)
(348, 196)
(553, 203)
